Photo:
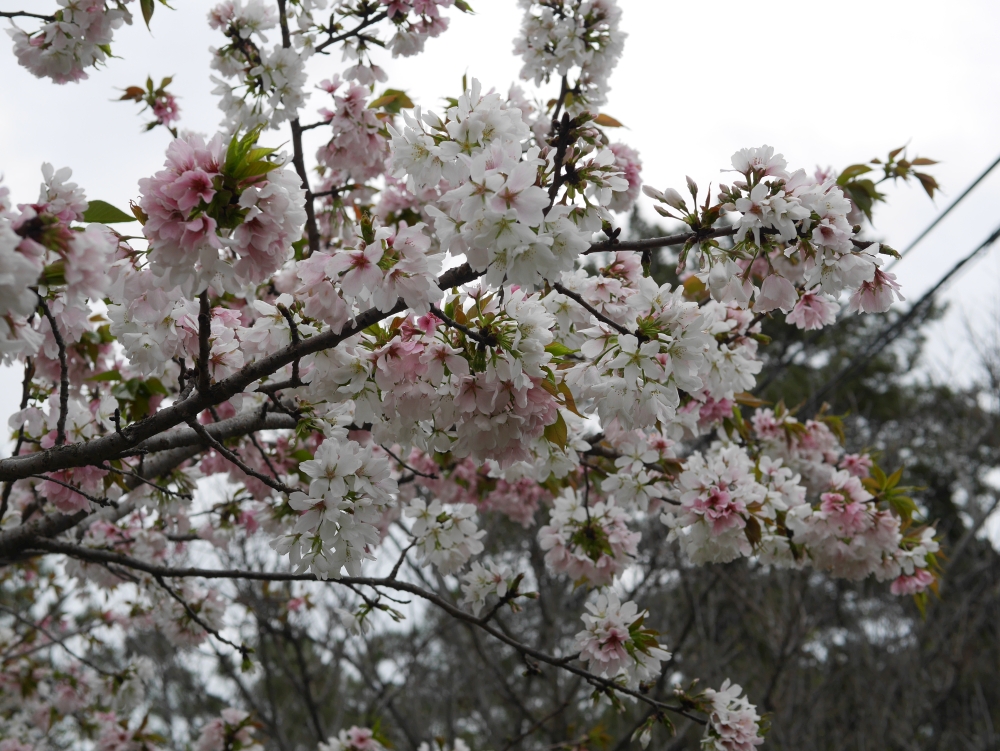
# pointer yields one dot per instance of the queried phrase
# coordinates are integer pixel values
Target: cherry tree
(355, 366)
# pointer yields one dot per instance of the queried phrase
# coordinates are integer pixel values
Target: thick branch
(116, 444)
(251, 422)
(180, 446)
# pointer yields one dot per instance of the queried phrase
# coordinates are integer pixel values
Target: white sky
(825, 83)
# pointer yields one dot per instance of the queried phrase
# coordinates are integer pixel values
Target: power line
(944, 213)
(890, 333)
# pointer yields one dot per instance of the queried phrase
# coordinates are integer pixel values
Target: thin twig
(402, 557)
(142, 480)
(63, 373)
(407, 466)
(110, 557)
(331, 191)
(353, 32)
(298, 154)
(231, 456)
(197, 619)
(489, 341)
(537, 725)
(263, 455)
(595, 312)
(93, 499)
(54, 640)
(29, 372)
(295, 341)
(652, 243)
(25, 14)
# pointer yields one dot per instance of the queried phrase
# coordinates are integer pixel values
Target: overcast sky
(825, 83)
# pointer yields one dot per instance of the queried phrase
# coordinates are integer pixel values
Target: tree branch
(25, 14)
(63, 373)
(250, 422)
(29, 372)
(595, 312)
(92, 499)
(54, 639)
(232, 457)
(204, 348)
(353, 32)
(489, 341)
(298, 158)
(659, 242)
(109, 557)
(286, 313)
(98, 450)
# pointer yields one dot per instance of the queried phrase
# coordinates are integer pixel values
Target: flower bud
(692, 187)
(672, 198)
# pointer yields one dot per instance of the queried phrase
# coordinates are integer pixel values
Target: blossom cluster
(616, 645)
(792, 233)
(349, 487)
(219, 213)
(733, 722)
(579, 37)
(491, 210)
(78, 37)
(323, 385)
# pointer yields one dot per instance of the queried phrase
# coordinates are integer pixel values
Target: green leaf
(54, 274)
(855, 170)
(148, 6)
(382, 101)
(557, 432)
(392, 100)
(904, 506)
(558, 349)
(156, 386)
(109, 375)
(103, 212)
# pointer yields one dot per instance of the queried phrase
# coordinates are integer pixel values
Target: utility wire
(890, 333)
(944, 213)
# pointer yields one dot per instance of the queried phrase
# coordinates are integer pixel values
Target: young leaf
(103, 212)
(607, 121)
(148, 6)
(855, 170)
(557, 432)
(110, 375)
